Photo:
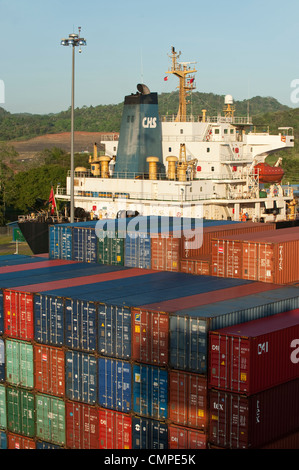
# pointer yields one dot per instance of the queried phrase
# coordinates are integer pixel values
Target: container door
(240, 363)
(219, 361)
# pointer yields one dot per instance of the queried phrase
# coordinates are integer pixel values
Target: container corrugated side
(217, 231)
(149, 434)
(1, 313)
(49, 319)
(2, 360)
(256, 355)
(80, 377)
(115, 430)
(50, 419)
(150, 391)
(20, 411)
(239, 422)
(49, 370)
(189, 328)
(19, 363)
(114, 384)
(188, 399)
(80, 325)
(3, 440)
(114, 331)
(150, 337)
(180, 437)
(20, 442)
(84, 244)
(82, 426)
(18, 315)
(166, 253)
(138, 251)
(3, 407)
(110, 248)
(61, 241)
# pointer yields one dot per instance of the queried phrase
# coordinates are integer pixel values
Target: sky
(245, 49)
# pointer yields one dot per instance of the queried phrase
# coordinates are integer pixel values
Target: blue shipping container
(114, 331)
(80, 324)
(3, 440)
(81, 377)
(84, 244)
(49, 319)
(149, 434)
(189, 328)
(61, 241)
(114, 389)
(138, 251)
(150, 391)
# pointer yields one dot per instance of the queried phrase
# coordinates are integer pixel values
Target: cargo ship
(184, 165)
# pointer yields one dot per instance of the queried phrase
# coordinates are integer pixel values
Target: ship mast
(186, 84)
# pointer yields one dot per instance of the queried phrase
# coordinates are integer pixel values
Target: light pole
(73, 40)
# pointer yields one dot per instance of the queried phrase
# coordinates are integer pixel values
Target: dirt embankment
(83, 142)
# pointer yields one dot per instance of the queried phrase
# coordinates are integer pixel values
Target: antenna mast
(186, 84)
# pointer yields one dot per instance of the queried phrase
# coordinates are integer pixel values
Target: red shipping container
(82, 426)
(18, 315)
(115, 430)
(187, 266)
(14, 441)
(185, 438)
(291, 441)
(239, 422)
(253, 356)
(202, 266)
(217, 231)
(149, 336)
(199, 266)
(166, 252)
(49, 370)
(188, 399)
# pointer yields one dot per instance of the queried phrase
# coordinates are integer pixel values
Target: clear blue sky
(240, 48)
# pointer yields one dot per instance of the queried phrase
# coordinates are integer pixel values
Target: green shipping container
(20, 411)
(111, 249)
(50, 419)
(3, 415)
(19, 363)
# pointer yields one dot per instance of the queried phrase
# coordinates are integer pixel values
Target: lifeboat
(268, 173)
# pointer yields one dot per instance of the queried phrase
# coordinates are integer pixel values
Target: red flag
(52, 201)
(191, 80)
(165, 79)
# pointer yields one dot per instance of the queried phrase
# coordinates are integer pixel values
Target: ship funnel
(140, 135)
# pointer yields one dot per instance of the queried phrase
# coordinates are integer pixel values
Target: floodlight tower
(73, 40)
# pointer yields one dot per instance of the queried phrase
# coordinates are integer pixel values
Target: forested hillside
(107, 118)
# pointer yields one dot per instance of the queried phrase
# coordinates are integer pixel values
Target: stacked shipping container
(263, 257)
(128, 375)
(158, 243)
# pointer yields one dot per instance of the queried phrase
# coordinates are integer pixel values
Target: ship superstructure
(185, 165)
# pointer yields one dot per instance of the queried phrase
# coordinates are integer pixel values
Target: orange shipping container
(218, 231)
(259, 257)
(166, 253)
